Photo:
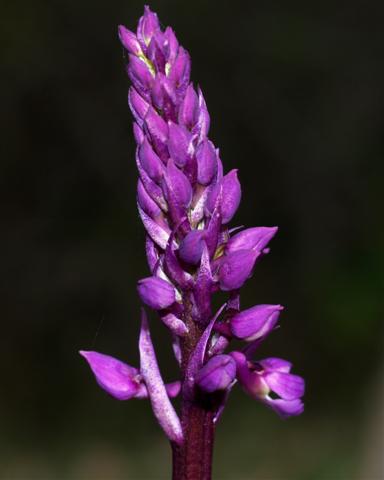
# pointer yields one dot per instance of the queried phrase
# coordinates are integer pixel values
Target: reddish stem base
(193, 459)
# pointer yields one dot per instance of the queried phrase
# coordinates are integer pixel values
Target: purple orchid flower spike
(186, 201)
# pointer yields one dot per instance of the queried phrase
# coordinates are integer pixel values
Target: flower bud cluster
(186, 201)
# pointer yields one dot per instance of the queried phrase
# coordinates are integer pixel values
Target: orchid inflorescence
(186, 203)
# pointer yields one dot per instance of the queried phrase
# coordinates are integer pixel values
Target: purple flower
(156, 292)
(217, 374)
(271, 376)
(115, 377)
(235, 268)
(255, 238)
(255, 322)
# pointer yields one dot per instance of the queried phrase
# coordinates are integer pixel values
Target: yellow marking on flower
(219, 252)
(167, 68)
(148, 63)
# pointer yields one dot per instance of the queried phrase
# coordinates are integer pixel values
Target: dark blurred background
(295, 93)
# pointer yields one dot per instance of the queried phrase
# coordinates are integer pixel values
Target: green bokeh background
(295, 93)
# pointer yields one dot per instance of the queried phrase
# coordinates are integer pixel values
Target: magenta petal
(276, 364)
(180, 70)
(138, 133)
(151, 252)
(154, 191)
(137, 104)
(203, 120)
(231, 195)
(146, 203)
(155, 53)
(251, 238)
(171, 45)
(179, 143)
(158, 131)
(213, 230)
(191, 247)
(177, 186)
(156, 292)
(235, 268)
(188, 108)
(206, 162)
(140, 75)
(149, 369)
(173, 268)
(129, 40)
(151, 163)
(217, 374)
(115, 377)
(173, 389)
(148, 27)
(286, 408)
(157, 232)
(255, 322)
(286, 385)
(176, 325)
